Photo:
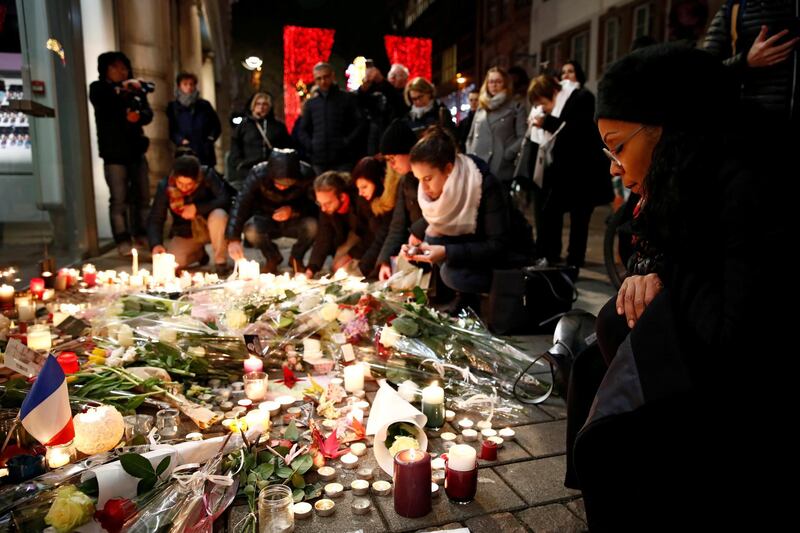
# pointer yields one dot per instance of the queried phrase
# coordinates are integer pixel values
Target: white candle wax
(6, 293)
(433, 395)
(449, 415)
(408, 390)
(125, 335)
(353, 378)
(484, 424)
(358, 448)
(507, 433)
(469, 435)
(253, 364)
(135, 265)
(39, 338)
(462, 458)
(488, 433)
(438, 464)
(448, 437)
(465, 423)
(349, 460)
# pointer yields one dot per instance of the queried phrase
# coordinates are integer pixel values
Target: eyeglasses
(416, 98)
(618, 147)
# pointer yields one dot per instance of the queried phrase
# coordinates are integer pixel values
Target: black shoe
(204, 260)
(223, 269)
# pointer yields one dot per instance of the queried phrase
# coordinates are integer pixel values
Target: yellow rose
(403, 443)
(70, 509)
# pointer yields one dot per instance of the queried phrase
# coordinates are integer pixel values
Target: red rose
(115, 513)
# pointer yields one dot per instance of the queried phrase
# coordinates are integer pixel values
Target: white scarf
(417, 112)
(497, 100)
(539, 135)
(455, 212)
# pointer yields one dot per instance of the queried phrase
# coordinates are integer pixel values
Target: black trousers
(552, 224)
(129, 198)
(260, 231)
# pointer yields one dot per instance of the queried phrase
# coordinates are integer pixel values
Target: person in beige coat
(499, 125)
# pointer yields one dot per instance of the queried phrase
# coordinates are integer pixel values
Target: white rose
(329, 312)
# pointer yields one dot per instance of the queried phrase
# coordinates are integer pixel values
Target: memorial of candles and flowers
(148, 401)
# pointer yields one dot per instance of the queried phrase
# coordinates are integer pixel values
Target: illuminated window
(449, 62)
(641, 21)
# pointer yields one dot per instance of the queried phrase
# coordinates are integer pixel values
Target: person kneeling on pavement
(342, 232)
(466, 216)
(197, 199)
(274, 202)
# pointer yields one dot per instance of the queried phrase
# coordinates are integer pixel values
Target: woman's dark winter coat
(199, 124)
(248, 146)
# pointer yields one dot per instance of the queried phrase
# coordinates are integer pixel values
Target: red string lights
(413, 52)
(302, 49)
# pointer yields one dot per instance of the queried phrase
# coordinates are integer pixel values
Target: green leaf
(137, 466)
(162, 466)
(265, 470)
(289, 294)
(420, 296)
(138, 440)
(313, 491)
(297, 481)
(146, 485)
(291, 432)
(282, 450)
(297, 495)
(405, 326)
(303, 463)
(285, 321)
(284, 472)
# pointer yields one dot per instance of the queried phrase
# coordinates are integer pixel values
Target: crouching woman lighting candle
(461, 474)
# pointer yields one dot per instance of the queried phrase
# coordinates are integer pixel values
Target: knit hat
(398, 138)
(666, 84)
(283, 167)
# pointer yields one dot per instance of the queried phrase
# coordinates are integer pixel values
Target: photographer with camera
(120, 111)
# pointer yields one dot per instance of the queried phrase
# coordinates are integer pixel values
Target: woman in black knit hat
(650, 427)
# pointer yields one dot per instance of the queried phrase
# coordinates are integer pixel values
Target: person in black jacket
(650, 416)
(120, 111)
(381, 103)
(396, 143)
(192, 195)
(193, 123)
(425, 110)
(274, 202)
(577, 179)
(253, 140)
(332, 124)
(377, 194)
(339, 223)
(466, 123)
(466, 216)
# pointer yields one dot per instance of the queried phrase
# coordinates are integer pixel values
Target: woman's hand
(385, 272)
(235, 250)
(636, 294)
(413, 240)
(426, 253)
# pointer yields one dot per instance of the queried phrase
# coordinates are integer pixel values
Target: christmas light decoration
(413, 52)
(302, 49)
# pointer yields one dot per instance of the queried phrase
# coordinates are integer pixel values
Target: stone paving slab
(541, 440)
(555, 407)
(538, 481)
(493, 496)
(446, 527)
(500, 522)
(578, 508)
(554, 518)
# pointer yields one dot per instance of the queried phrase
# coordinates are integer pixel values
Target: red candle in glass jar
(461, 474)
(488, 451)
(412, 483)
(90, 277)
(37, 287)
(68, 362)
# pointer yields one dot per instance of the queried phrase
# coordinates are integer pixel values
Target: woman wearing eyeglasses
(575, 177)
(656, 438)
(426, 110)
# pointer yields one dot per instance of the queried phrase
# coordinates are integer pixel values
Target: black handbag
(526, 160)
(530, 299)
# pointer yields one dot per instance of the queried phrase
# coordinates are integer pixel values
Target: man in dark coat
(274, 202)
(332, 124)
(381, 103)
(193, 123)
(120, 111)
(191, 194)
(339, 224)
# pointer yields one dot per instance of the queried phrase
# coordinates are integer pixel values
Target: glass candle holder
(167, 422)
(58, 456)
(275, 513)
(255, 386)
(136, 425)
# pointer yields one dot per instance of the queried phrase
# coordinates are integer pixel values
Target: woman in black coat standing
(256, 136)
(576, 179)
(656, 438)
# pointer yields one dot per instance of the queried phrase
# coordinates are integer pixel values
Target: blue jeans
(129, 188)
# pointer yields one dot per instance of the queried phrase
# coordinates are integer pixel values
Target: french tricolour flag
(45, 413)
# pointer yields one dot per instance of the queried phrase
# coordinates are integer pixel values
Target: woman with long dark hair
(652, 432)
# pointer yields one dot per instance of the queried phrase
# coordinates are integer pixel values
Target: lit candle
(333, 490)
(39, 337)
(248, 270)
(253, 364)
(433, 405)
(136, 281)
(448, 437)
(353, 378)
(58, 456)
(461, 474)
(408, 390)
(37, 287)
(135, 259)
(257, 419)
(469, 435)
(412, 479)
(6, 295)
(449, 415)
(163, 268)
(255, 386)
(89, 275)
(326, 473)
(486, 433)
(465, 423)
(484, 424)
(125, 335)
(358, 449)
(68, 362)
(349, 461)
(62, 280)
(507, 433)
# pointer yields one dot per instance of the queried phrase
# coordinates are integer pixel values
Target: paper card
(22, 359)
(347, 353)
(73, 327)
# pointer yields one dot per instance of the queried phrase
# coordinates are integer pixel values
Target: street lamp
(461, 80)
(253, 64)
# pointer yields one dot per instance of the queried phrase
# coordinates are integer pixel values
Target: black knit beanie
(398, 139)
(666, 84)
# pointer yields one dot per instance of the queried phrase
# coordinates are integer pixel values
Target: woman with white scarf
(465, 217)
(426, 110)
(499, 125)
(573, 176)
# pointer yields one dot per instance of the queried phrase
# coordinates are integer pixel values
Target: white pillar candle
(408, 390)
(353, 378)
(135, 262)
(125, 335)
(39, 337)
(312, 349)
(461, 458)
(163, 268)
(433, 395)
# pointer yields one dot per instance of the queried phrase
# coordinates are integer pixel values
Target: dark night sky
(258, 30)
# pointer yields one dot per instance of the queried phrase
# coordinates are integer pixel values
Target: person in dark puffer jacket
(190, 193)
(332, 124)
(193, 122)
(248, 144)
